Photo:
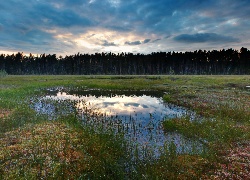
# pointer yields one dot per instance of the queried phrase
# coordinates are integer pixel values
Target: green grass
(53, 150)
(32, 147)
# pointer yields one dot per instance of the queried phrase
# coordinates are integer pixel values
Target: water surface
(138, 113)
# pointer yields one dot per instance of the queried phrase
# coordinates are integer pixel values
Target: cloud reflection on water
(141, 116)
(122, 105)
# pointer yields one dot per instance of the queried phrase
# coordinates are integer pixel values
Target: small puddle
(138, 113)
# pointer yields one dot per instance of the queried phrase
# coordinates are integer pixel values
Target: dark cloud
(156, 40)
(59, 17)
(133, 43)
(91, 35)
(29, 41)
(106, 43)
(146, 41)
(118, 28)
(25, 22)
(204, 37)
(37, 37)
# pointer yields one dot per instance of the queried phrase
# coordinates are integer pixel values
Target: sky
(66, 27)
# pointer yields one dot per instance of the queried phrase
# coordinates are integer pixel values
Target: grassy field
(33, 147)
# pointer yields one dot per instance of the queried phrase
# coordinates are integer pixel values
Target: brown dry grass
(4, 113)
(41, 151)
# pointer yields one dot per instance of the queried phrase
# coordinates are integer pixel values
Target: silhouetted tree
(228, 61)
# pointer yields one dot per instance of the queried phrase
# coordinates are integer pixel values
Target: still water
(138, 113)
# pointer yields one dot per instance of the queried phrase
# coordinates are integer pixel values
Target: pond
(137, 113)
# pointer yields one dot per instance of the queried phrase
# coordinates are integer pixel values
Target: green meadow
(34, 147)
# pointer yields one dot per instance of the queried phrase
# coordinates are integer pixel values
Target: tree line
(223, 61)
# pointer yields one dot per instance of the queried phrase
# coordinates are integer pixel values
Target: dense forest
(228, 61)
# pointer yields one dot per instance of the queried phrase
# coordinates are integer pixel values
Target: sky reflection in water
(143, 106)
(141, 116)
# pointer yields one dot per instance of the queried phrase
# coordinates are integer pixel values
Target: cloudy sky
(139, 26)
